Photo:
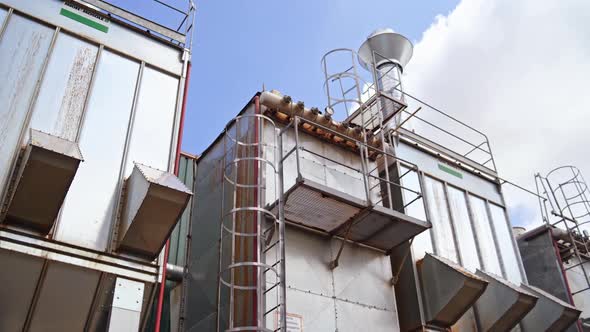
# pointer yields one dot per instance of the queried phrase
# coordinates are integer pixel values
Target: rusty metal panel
(550, 314)
(154, 202)
(503, 305)
(448, 290)
(88, 210)
(62, 95)
(47, 170)
(24, 46)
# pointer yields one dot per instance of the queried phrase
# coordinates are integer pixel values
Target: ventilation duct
(550, 314)
(47, 168)
(153, 204)
(448, 290)
(503, 305)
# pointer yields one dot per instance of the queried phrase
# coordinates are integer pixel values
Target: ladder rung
(272, 287)
(275, 264)
(271, 246)
(272, 309)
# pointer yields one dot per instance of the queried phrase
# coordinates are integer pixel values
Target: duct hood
(448, 290)
(503, 305)
(47, 168)
(153, 204)
(550, 314)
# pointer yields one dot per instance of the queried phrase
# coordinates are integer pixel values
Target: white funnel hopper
(388, 47)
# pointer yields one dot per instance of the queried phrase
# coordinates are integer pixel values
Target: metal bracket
(334, 264)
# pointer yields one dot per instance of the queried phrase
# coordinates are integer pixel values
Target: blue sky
(239, 45)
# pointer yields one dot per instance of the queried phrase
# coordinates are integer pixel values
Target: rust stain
(74, 97)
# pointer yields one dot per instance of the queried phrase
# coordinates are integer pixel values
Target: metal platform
(317, 206)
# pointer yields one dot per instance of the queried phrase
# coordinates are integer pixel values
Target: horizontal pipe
(285, 105)
(174, 272)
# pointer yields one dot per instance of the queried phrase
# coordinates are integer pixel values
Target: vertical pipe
(258, 275)
(283, 288)
(176, 164)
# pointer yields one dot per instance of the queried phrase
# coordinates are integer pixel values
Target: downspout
(176, 166)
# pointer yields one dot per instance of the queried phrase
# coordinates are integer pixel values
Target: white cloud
(518, 71)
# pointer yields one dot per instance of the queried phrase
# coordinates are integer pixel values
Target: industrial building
(378, 212)
(91, 107)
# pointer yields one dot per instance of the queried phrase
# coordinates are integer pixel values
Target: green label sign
(450, 171)
(85, 17)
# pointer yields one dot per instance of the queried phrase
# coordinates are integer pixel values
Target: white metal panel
(353, 318)
(442, 230)
(307, 258)
(316, 312)
(59, 106)
(462, 223)
(485, 236)
(363, 276)
(24, 46)
(127, 304)
(504, 238)
(154, 117)
(88, 209)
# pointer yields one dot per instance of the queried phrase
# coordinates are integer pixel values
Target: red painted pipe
(176, 166)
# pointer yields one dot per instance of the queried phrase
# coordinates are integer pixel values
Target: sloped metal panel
(154, 203)
(550, 314)
(47, 170)
(65, 298)
(18, 276)
(448, 290)
(503, 305)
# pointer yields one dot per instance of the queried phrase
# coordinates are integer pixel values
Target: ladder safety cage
(373, 98)
(566, 210)
(250, 289)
